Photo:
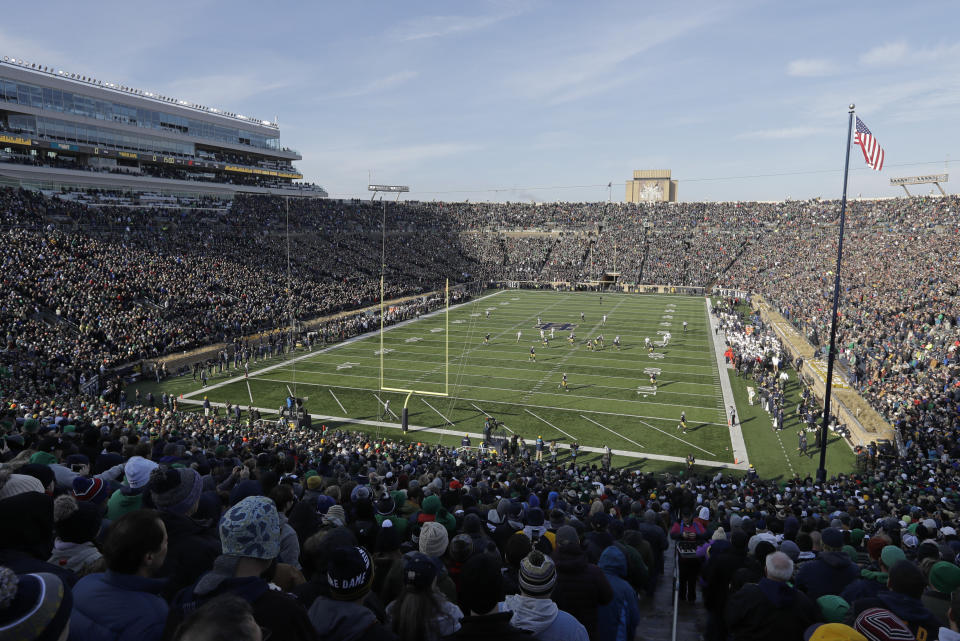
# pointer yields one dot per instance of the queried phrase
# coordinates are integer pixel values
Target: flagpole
(822, 470)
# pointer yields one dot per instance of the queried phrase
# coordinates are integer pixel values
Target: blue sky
(534, 100)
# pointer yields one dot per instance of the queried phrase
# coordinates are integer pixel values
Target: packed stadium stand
(59, 128)
(362, 531)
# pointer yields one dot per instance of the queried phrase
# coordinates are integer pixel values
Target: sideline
(736, 434)
(436, 430)
(349, 341)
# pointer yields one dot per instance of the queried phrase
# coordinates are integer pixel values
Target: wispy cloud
(426, 27)
(811, 67)
(561, 77)
(890, 53)
(392, 158)
(784, 133)
(900, 52)
(224, 90)
(377, 85)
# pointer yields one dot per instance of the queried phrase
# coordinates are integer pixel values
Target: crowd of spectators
(151, 523)
(134, 518)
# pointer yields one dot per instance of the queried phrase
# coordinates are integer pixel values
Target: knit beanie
(349, 573)
(12, 484)
(92, 489)
(891, 554)
(43, 458)
(251, 528)
(418, 570)
(461, 547)
(33, 606)
(879, 624)
(433, 539)
(314, 483)
(137, 471)
(335, 516)
(121, 503)
(567, 535)
(175, 490)
(791, 549)
(538, 574)
(945, 577)
(75, 522)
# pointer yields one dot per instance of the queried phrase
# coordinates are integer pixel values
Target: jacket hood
(612, 561)
(835, 560)
(570, 558)
(533, 615)
(778, 593)
(340, 620)
(903, 606)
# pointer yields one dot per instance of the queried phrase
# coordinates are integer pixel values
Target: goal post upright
(399, 189)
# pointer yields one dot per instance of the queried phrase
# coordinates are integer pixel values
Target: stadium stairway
(656, 614)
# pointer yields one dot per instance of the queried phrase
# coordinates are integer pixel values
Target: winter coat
(829, 573)
(911, 610)
(277, 611)
(543, 619)
(868, 585)
(123, 607)
(289, 544)
(769, 610)
(192, 548)
(492, 626)
(581, 587)
(81, 558)
(617, 620)
(346, 621)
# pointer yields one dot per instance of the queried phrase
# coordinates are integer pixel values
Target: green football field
(609, 401)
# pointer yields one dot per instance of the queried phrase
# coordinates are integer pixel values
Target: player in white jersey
(604, 321)
(519, 334)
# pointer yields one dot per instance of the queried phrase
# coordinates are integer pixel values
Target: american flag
(872, 151)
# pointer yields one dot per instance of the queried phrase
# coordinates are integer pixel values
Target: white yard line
(449, 422)
(677, 437)
(550, 424)
(436, 430)
(338, 401)
(349, 341)
(736, 434)
(382, 404)
(489, 415)
(611, 431)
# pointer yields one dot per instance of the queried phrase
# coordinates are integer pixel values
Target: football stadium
(245, 396)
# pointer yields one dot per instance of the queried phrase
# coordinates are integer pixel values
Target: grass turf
(606, 402)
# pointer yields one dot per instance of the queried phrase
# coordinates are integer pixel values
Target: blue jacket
(617, 620)
(109, 606)
(829, 573)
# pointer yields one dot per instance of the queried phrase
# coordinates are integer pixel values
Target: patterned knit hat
(349, 573)
(33, 606)
(538, 574)
(175, 490)
(251, 528)
(92, 489)
(13, 484)
(878, 624)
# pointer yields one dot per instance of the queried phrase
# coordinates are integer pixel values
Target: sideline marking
(488, 415)
(549, 423)
(449, 422)
(338, 401)
(676, 437)
(611, 431)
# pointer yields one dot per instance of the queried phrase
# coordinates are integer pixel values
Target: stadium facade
(60, 129)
